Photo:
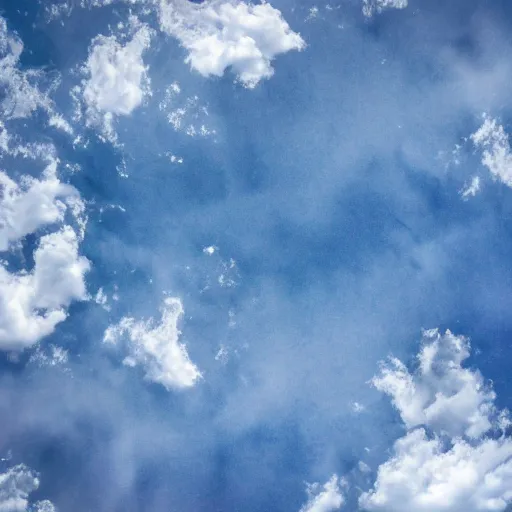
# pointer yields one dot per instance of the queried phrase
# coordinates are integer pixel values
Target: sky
(255, 256)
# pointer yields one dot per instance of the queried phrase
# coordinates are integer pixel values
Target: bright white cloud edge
(455, 455)
(226, 34)
(32, 204)
(33, 303)
(156, 347)
(16, 485)
(326, 498)
(117, 79)
(492, 139)
(370, 7)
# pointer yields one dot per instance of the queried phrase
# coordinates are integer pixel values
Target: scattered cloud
(229, 276)
(157, 347)
(459, 463)
(209, 250)
(57, 121)
(117, 79)
(471, 189)
(188, 116)
(312, 13)
(370, 7)
(222, 34)
(363, 467)
(57, 11)
(16, 484)
(173, 158)
(102, 300)
(357, 407)
(21, 89)
(49, 357)
(33, 303)
(43, 506)
(441, 394)
(222, 354)
(496, 155)
(326, 498)
(32, 204)
(423, 475)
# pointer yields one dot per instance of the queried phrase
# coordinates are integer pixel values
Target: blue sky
(218, 219)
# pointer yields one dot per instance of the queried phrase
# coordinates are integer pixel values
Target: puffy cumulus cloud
(496, 155)
(33, 303)
(370, 7)
(440, 394)
(26, 207)
(117, 78)
(464, 460)
(326, 498)
(222, 34)
(21, 92)
(156, 347)
(16, 484)
(426, 477)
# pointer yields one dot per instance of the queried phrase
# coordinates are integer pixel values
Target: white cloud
(209, 250)
(357, 407)
(363, 467)
(457, 465)
(35, 203)
(50, 357)
(21, 94)
(471, 189)
(221, 34)
(370, 7)
(229, 276)
(16, 484)
(117, 79)
(43, 506)
(222, 354)
(324, 499)
(13, 145)
(157, 347)
(58, 121)
(32, 304)
(189, 117)
(101, 299)
(424, 476)
(496, 155)
(441, 393)
(57, 11)
(313, 13)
